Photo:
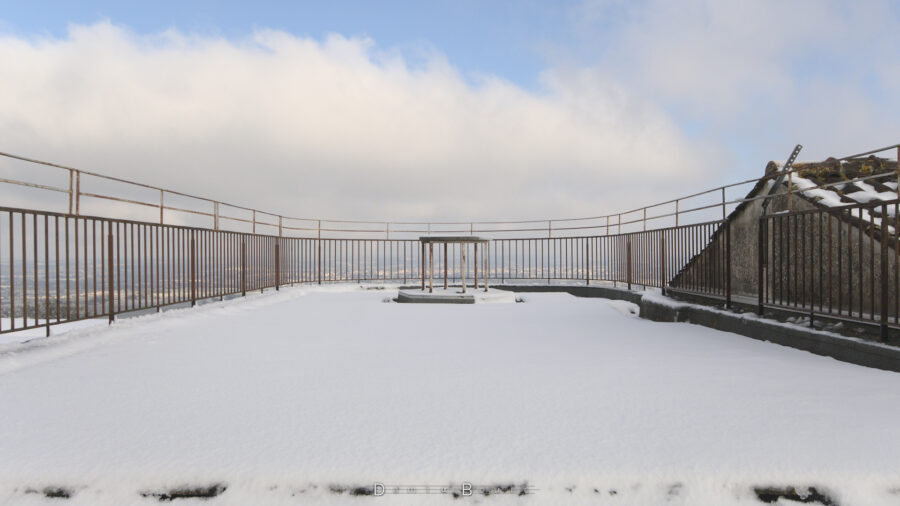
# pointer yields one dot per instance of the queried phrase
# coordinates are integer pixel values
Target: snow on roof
(880, 184)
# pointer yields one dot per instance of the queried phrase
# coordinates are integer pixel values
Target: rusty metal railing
(59, 268)
(839, 262)
(698, 207)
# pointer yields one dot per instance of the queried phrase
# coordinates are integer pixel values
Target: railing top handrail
(388, 224)
(872, 152)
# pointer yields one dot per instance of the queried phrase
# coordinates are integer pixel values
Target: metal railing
(59, 267)
(698, 207)
(839, 262)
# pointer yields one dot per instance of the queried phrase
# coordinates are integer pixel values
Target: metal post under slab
(462, 256)
(463, 242)
(431, 270)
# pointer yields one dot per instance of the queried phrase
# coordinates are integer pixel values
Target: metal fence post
(723, 202)
(77, 192)
(422, 264)
(319, 248)
(791, 190)
(727, 264)
(662, 262)
(277, 265)
(110, 271)
(587, 257)
(884, 273)
(760, 263)
(193, 269)
(475, 263)
(243, 266)
(628, 260)
(72, 188)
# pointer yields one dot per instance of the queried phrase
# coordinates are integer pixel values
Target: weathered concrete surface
(658, 308)
(454, 296)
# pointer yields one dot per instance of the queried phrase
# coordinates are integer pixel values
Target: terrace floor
(301, 396)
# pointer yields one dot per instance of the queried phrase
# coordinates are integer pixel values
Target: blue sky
(578, 107)
(506, 38)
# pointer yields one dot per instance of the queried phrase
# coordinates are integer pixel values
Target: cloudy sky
(446, 110)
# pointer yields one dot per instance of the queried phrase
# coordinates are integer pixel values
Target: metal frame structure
(463, 241)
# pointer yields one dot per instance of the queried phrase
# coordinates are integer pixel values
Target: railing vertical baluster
(871, 262)
(133, 264)
(628, 260)
(859, 261)
(760, 263)
(431, 267)
(728, 263)
(34, 235)
(830, 222)
(244, 266)
(47, 273)
(111, 273)
(884, 273)
(193, 268)
(56, 262)
(661, 267)
(94, 261)
(897, 255)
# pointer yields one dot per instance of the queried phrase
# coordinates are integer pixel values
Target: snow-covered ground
(300, 396)
(33, 333)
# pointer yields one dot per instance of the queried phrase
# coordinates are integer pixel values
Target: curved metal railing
(700, 206)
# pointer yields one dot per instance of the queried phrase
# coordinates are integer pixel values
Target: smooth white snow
(39, 332)
(282, 395)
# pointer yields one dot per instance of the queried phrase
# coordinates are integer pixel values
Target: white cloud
(336, 128)
(764, 74)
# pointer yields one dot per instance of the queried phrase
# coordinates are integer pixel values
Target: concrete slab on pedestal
(454, 295)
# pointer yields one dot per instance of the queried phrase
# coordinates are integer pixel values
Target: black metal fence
(839, 262)
(836, 262)
(57, 268)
